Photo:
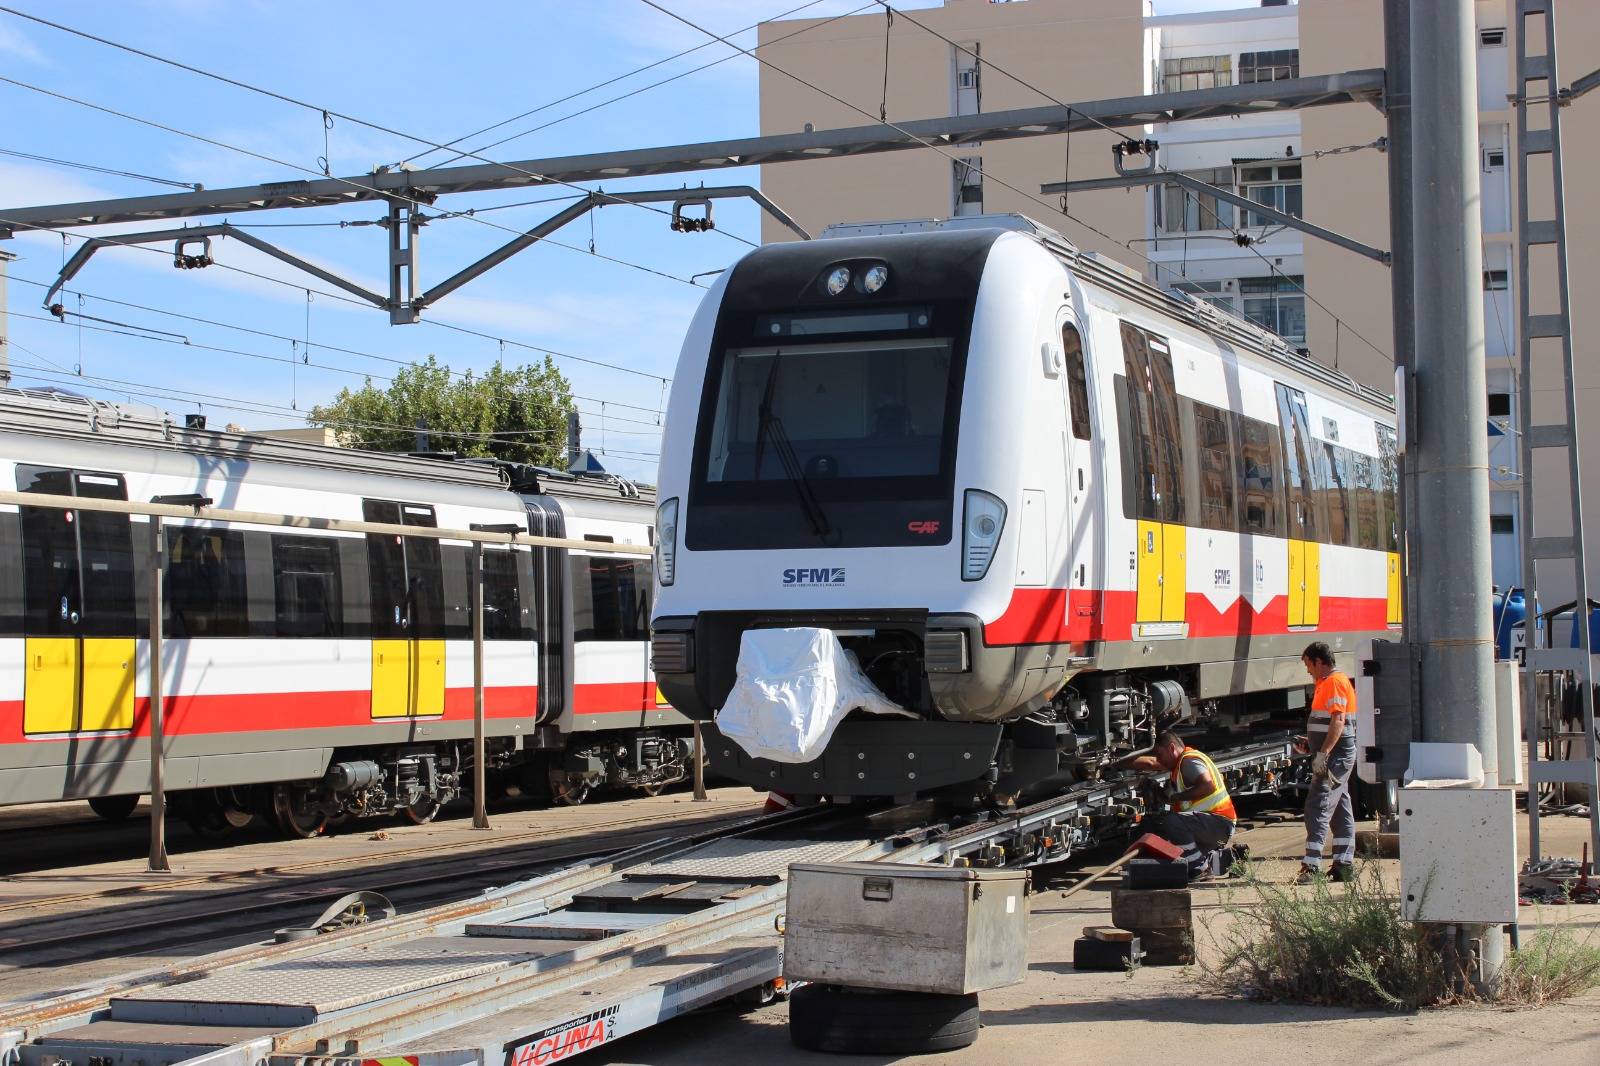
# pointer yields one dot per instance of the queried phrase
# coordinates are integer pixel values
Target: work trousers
(1197, 833)
(1328, 806)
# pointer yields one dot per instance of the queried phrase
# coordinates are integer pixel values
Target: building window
(1277, 303)
(1502, 523)
(1493, 38)
(1496, 280)
(1280, 65)
(1499, 405)
(1494, 159)
(1184, 211)
(1274, 186)
(1197, 72)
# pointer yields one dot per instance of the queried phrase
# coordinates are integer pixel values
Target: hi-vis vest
(1216, 802)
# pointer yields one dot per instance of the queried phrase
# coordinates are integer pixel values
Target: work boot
(1308, 875)
(1344, 872)
(1241, 860)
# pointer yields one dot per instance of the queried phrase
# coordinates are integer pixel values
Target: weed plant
(1347, 945)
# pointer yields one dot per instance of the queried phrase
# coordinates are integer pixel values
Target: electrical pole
(1402, 264)
(1450, 617)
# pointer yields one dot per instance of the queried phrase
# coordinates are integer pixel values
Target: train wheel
(653, 790)
(114, 808)
(423, 811)
(295, 823)
(570, 793)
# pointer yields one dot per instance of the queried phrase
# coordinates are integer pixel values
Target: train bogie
(1048, 506)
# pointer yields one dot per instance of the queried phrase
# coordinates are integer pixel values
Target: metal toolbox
(917, 928)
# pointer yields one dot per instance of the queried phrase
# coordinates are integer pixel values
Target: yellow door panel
(391, 678)
(1394, 588)
(50, 685)
(428, 695)
(1174, 573)
(108, 673)
(1297, 583)
(1149, 572)
(1313, 607)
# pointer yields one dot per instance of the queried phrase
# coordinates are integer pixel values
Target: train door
(1300, 459)
(1083, 551)
(1161, 574)
(407, 593)
(1389, 521)
(79, 607)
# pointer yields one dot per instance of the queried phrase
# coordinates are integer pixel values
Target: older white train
(310, 674)
(1049, 506)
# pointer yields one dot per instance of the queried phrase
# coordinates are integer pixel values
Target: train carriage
(1048, 506)
(310, 674)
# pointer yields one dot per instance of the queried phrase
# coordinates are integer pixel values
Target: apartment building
(973, 56)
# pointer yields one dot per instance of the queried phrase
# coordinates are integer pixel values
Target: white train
(312, 675)
(1049, 506)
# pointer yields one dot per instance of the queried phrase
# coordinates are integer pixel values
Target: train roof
(1108, 274)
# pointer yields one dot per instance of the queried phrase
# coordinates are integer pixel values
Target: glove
(1319, 764)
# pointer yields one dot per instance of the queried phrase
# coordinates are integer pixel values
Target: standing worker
(1331, 739)
(1202, 818)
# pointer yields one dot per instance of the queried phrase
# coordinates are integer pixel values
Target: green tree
(519, 414)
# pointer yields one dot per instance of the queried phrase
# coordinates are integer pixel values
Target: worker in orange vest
(1202, 817)
(1331, 739)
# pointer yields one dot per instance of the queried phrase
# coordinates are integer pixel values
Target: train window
(1365, 469)
(1302, 464)
(406, 574)
(1259, 472)
(77, 565)
(306, 587)
(205, 583)
(10, 574)
(1388, 485)
(1335, 492)
(1077, 380)
(1157, 440)
(504, 617)
(1216, 465)
(610, 598)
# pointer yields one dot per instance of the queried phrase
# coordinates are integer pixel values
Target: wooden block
(1156, 908)
(1383, 845)
(1156, 873)
(1166, 947)
(1108, 934)
(1091, 954)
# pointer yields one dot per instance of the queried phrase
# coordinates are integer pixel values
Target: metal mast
(1545, 344)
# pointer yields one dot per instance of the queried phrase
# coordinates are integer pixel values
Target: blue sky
(434, 72)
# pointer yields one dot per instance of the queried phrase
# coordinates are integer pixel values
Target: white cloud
(13, 42)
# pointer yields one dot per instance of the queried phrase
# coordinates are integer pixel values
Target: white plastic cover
(793, 688)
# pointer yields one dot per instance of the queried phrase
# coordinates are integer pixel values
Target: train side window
(504, 617)
(406, 574)
(1077, 380)
(1365, 478)
(205, 583)
(78, 572)
(307, 600)
(1157, 459)
(1301, 464)
(386, 572)
(10, 574)
(1336, 493)
(1216, 468)
(105, 550)
(1260, 477)
(1388, 483)
(610, 598)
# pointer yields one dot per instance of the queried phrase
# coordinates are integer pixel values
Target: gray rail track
(543, 969)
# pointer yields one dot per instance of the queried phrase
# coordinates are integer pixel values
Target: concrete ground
(1058, 1015)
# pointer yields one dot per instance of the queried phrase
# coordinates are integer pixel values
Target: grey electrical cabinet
(916, 928)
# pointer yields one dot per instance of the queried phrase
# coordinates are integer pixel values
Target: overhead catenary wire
(898, 129)
(327, 114)
(1381, 142)
(98, 170)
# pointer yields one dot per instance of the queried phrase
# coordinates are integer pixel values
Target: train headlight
(875, 278)
(666, 541)
(981, 527)
(837, 281)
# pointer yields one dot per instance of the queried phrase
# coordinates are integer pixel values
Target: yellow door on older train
(427, 691)
(1174, 572)
(50, 685)
(106, 696)
(391, 678)
(1394, 588)
(1305, 583)
(1151, 558)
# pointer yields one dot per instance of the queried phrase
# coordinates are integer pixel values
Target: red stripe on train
(1062, 616)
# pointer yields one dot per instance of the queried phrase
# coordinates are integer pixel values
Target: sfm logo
(827, 575)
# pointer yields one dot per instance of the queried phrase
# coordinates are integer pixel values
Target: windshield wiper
(770, 425)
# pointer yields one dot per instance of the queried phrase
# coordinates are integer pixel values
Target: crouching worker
(1202, 818)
